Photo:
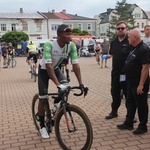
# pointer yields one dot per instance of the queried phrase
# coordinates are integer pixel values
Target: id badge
(122, 78)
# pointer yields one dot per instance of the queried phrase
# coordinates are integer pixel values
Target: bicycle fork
(69, 119)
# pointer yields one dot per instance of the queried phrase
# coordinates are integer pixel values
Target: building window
(54, 27)
(24, 26)
(38, 27)
(13, 27)
(80, 26)
(89, 26)
(3, 27)
(137, 15)
(142, 25)
(138, 25)
(70, 25)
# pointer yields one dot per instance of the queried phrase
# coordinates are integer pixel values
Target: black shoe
(139, 131)
(135, 120)
(124, 127)
(110, 116)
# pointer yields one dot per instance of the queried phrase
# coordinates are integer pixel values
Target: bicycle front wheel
(80, 133)
(12, 63)
(35, 116)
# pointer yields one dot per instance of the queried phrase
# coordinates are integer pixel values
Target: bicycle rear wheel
(35, 115)
(80, 135)
(12, 63)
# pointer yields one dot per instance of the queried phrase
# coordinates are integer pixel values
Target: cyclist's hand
(81, 87)
(62, 87)
(84, 89)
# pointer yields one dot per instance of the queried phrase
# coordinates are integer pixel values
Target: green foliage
(122, 12)
(77, 31)
(15, 36)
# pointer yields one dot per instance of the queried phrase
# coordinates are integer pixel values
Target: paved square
(17, 131)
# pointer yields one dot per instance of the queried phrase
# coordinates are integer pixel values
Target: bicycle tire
(12, 63)
(35, 110)
(35, 115)
(87, 135)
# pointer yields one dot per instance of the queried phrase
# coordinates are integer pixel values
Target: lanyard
(130, 54)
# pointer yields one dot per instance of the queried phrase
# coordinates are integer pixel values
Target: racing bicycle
(72, 126)
(11, 61)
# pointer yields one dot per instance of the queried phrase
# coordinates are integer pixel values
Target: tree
(77, 31)
(15, 36)
(123, 12)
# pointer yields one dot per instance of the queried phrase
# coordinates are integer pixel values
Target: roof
(49, 15)
(148, 14)
(63, 16)
(76, 17)
(19, 15)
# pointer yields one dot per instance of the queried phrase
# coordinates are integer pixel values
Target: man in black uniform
(137, 75)
(119, 53)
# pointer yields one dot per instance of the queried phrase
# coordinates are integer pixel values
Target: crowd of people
(6, 51)
(130, 73)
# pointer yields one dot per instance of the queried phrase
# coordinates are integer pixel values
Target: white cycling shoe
(44, 133)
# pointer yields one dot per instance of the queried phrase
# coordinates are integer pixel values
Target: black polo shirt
(120, 51)
(136, 58)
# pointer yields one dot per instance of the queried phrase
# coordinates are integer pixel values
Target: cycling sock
(41, 118)
(67, 72)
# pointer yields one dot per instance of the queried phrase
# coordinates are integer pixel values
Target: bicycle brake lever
(85, 91)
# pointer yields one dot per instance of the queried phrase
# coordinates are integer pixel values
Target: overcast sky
(87, 8)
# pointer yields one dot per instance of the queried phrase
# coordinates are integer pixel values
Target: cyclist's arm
(75, 65)
(76, 69)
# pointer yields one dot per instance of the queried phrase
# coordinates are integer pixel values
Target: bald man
(137, 76)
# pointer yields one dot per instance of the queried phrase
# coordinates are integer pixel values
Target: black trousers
(139, 102)
(116, 87)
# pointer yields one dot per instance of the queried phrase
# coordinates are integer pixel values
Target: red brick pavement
(17, 131)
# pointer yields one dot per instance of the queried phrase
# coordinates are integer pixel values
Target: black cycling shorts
(34, 56)
(43, 81)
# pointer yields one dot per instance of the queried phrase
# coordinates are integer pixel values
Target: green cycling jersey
(54, 54)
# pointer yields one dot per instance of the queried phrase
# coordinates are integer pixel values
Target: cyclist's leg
(43, 80)
(102, 62)
(36, 62)
(29, 61)
(4, 61)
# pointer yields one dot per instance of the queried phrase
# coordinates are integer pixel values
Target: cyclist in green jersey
(53, 55)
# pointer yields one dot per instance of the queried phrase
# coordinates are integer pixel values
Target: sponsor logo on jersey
(47, 48)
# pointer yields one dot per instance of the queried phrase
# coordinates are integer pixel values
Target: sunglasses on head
(121, 28)
(68, 29)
